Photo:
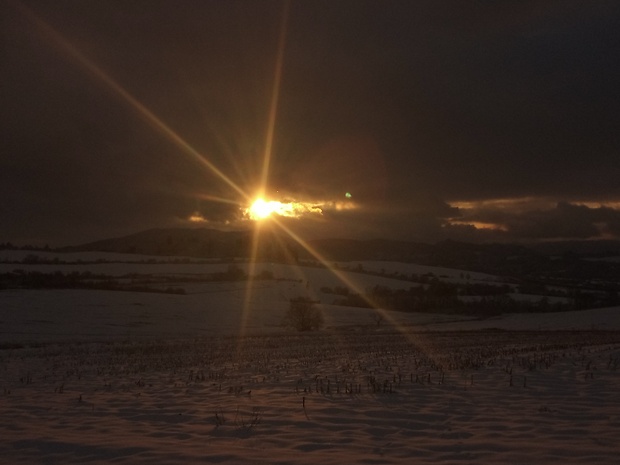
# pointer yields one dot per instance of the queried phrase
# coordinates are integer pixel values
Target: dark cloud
(409, 106)
(562, 221)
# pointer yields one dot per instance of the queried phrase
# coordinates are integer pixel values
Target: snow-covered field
(212, 377)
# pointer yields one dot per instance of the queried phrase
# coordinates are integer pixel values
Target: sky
(410, 120)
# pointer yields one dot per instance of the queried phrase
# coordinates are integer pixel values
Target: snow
(212, 377)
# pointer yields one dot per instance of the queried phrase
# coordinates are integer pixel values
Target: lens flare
(260, 209)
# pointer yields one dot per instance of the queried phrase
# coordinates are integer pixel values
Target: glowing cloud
(262, 209)
(480, 225)
(196, 217)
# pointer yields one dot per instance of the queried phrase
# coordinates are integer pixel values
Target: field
(123, 377)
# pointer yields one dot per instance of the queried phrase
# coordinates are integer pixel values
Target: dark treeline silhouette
(482, 299)
(10, 246)
(76, 280)
(20, 279)
(34, 259)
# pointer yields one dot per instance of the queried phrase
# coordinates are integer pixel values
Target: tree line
(20, 279)
(445, 297)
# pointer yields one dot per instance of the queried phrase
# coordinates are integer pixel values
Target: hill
(194, 242)
(574, 264)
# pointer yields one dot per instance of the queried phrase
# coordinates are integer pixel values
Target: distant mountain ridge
(371, 249)
(193, 242)
(573, 261)
(212, 243)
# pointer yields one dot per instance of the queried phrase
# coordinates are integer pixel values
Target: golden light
(479, 225)
(197, 217)
(262, 209)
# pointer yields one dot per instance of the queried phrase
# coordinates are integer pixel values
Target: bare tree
(303, 315)
(378, 317)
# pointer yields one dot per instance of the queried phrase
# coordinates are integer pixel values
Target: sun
(262, 209)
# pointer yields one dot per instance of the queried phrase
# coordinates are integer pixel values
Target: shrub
(303, 315)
